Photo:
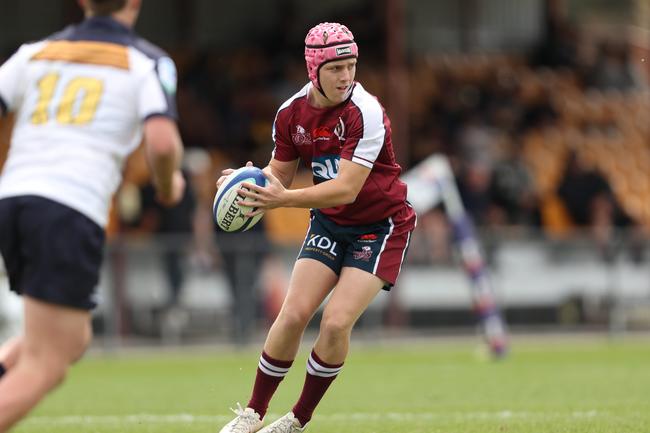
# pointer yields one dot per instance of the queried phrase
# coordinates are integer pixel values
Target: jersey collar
(107, 24)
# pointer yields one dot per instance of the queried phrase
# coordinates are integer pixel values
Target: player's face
(336, 79)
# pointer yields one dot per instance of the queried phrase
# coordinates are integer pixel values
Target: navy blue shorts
(377, 248)
(52, 252)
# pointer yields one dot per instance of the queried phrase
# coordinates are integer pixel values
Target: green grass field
(546, 386)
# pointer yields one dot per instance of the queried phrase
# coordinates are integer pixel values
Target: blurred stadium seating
(508, 90)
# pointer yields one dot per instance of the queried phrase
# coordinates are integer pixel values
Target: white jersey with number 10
(79, 108)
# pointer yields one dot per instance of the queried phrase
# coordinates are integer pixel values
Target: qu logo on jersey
(325, 167)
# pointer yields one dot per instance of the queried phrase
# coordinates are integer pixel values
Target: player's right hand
(174, 194)
(225, 173)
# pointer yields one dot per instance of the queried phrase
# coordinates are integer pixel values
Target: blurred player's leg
(310, 283)
(55, 337)
(354, 292)
(9, 353)
(485, 305)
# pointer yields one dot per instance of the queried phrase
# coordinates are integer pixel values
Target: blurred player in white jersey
(82, 100)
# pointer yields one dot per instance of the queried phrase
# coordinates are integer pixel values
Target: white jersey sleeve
(371, 142)
(158, 91)
(12, 74)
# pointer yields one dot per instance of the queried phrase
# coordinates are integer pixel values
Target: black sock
(3, 370)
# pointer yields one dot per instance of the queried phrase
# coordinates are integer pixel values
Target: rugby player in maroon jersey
(360, 225)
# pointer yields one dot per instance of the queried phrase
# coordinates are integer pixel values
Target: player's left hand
(263, 198)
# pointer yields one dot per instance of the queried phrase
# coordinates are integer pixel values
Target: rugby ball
(228, 215)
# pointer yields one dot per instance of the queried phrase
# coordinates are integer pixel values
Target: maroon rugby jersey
(357, 130)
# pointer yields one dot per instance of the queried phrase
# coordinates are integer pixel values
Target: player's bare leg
(353, 294)
(310, 283)
(9, 352)
(354, 291)
(55, 337)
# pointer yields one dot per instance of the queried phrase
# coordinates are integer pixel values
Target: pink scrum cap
(327, 42)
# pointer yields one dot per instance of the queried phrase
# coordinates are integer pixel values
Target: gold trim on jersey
(93, 53)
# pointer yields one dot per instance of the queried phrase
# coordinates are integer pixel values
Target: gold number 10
(77, 105)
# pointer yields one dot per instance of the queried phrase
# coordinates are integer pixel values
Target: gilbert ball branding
(228, 214)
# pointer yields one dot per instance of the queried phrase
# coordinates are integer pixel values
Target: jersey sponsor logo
(365, 254)
(325, 167)
(301, 137)
(322, 244)
(167, 75)
(321, 133)
(368, 238)
(342, 51)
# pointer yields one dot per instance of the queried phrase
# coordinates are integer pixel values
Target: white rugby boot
(287, 424)
(246, 421)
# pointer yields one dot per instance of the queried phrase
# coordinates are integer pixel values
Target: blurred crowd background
(542, 107)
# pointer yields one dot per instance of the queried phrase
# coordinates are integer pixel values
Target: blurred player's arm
(164, 150)
(11, 89)
(6, 127)
(163, 144)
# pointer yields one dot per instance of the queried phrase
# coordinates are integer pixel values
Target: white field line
(348, 417)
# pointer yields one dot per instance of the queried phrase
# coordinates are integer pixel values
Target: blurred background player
(244, 267)
(360, 222)
(82, 99)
